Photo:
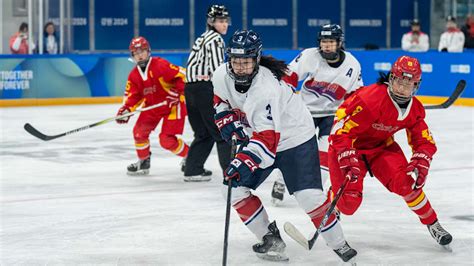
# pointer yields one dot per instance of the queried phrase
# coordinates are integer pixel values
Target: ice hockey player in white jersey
(253, 103)
(330, 75)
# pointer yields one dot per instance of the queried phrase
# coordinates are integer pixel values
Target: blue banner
(273, 22)
(113, 25)
(311, 17)
(105, 75)
(365, 24)
(165, 23)
(235, 12)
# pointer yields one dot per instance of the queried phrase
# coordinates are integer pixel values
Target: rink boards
(100, 78)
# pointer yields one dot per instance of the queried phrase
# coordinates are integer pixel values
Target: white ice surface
(69, 202)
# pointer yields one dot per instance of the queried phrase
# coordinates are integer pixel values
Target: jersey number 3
(269, 115)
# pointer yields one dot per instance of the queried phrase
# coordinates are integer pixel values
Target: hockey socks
(332, 230)
(420, 205)
(253, 215)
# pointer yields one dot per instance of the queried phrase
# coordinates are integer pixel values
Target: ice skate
(440, 235)
(272, 246)
(278, 193)
(203, 177)
(142, 167)
(346, 253)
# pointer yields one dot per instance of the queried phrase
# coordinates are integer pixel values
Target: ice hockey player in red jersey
(362, 140)
(154, 80)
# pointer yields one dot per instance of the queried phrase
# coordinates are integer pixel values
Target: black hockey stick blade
(454, 96)
(33, 131)
(451, 99)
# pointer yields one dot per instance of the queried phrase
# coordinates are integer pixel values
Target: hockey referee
(206, 55)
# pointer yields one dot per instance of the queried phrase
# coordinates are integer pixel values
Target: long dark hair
(383, 77)
(278, 67)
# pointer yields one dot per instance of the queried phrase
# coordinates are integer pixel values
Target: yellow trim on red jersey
(165, 85)
(427, 135)
(341, 113)
(173, 113)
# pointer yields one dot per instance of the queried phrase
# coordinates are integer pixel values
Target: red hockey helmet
(407, 67)
(406, 72)
(139, 43)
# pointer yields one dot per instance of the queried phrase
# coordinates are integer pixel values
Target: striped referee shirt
(206, 55)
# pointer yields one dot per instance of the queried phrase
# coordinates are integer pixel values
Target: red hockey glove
(349, 164)
(173, 98)
(229, 124)
(123, 111)
(241, 169)
(418, 168)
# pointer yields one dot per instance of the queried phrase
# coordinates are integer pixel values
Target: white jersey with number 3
(274, 113)
(324, 86)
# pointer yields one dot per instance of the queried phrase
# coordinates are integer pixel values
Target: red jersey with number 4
(160, 79)
(369, 118)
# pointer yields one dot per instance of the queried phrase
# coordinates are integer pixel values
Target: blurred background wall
(107, 26)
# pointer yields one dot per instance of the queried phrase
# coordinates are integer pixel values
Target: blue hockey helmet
(332, 32)
(244, 44)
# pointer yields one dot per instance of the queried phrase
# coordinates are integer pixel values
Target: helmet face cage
(406, 73)
(332, 32)
(244, 44)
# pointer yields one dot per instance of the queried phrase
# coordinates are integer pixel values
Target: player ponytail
(383, 78)
(278, 67)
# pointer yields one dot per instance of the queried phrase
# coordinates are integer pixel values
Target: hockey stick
(33, 131)
(294, 233)
(451, 99)
(454, 96)
(233, 151)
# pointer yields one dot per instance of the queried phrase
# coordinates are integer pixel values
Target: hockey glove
(229, 124)
(349, 164)
(418, 168)
(123, 111)
(241, 169)
(173, 98)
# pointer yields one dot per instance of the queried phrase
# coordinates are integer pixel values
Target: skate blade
(196, 179)
(351, 262)
(273, 256)
(447, 248)
(138, 173)
(276, 202)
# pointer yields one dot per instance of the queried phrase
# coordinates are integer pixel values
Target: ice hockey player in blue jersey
(252, 102)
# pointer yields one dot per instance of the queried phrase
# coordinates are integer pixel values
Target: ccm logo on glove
(250, 164)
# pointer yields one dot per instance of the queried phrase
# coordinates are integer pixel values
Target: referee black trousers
(199, 103)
